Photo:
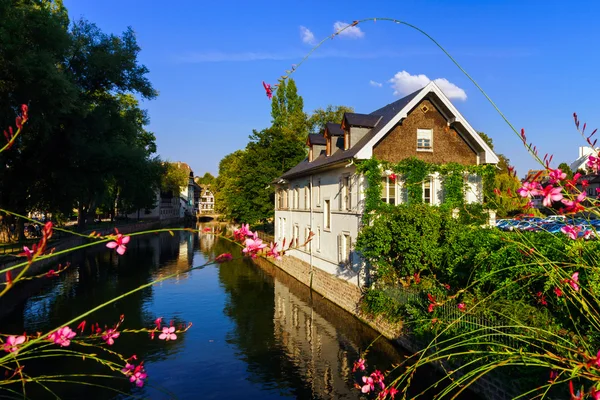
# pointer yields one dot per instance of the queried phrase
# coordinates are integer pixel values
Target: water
(257, 334)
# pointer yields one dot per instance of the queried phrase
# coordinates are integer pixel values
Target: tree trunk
(81, 217)
(20, 229)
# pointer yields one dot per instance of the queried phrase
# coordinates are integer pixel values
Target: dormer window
(328, 149)
(424, 139)
(346, 140)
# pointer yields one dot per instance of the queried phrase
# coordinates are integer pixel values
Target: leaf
(171, 233)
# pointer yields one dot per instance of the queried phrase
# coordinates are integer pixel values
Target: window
(306, 236)
(344, 245)
(306, 197)
(296, 198)
(424, 139)
(348, 193)
(427, 189)
(318, 238)
(318, 202)
(283, 230)
(280, 228)
(296, 236)
(327, 215)
(388, 190)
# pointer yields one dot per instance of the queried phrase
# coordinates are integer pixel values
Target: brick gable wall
(401, 141)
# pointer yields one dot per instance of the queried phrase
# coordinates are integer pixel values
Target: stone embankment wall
(348, 296)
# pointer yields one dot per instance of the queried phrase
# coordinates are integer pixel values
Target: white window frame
(306, 235)
(387, 186)
(429, 180)
(424, 135)
(318, 239)
(318, 193)
(327, 214)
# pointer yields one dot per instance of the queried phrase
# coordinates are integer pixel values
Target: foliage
(87, 127)
(507, 205)
(320, 116)
(206, 179)
(287, 111)
(174, 178)
(371, 169)
(564, 167)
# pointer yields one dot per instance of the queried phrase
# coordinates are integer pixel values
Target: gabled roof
(388, 117)
(315, 138)
(333, 129)
(362, 120)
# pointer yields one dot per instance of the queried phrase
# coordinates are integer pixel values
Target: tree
(564, 167)
(173, 178)
(319, 117)
(206, 179)
(503, 162)
(507, 204)
(227, 199)
(287, 111)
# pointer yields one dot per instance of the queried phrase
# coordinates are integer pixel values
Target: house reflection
(313, 345)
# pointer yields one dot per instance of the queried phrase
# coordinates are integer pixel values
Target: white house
(206, 205)
(581, 163)
(323, 194)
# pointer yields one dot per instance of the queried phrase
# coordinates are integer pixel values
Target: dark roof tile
(334, 129)
(316, 139)
(362, 120)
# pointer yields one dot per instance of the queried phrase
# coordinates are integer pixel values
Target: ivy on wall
(413, 173)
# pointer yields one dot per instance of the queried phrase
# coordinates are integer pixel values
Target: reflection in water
(257, 334)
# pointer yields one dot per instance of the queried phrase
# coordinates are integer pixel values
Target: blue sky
(538, 60)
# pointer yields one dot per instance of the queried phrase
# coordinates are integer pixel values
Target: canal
(257, 333)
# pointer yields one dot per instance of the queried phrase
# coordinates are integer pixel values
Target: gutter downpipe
(311, 228)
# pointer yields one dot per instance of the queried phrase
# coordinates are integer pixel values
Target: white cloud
(404, 83)
(376, 84)
(307, 36)
(352, 32)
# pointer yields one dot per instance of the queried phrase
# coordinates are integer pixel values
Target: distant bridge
(207, 216)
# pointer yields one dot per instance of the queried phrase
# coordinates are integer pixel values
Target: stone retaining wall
(348, 296)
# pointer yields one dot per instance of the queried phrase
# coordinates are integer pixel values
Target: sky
(537, 60)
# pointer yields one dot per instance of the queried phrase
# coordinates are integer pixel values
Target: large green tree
(319, 117)
(85, 139)
(287, 111)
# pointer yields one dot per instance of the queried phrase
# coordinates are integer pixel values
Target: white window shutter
(341, 194)
(340, 250)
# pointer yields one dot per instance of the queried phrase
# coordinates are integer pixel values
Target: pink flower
(574, 206)
(392, 177)
(138, 377)
(360, 364)
(556, 175)
(11, 343)
(595, 394)
(110, 335)
(378, 378)
(168, 334)
(368, 384)
(558, 292)
(253, 246)
(221, 258)
(392, 392)
(119, 243)
(574, 281)
(128, 368)
(529, 189)
(241, 233)
(570, 231)
(550, 194)
(63, 336)
(461, 306)
(593, 163)
(268, 89)
(272, 252)
(28, 252)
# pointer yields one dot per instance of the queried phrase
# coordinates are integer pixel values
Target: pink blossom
(558, 292)
(574, 206)
(119, 243)
(63, 336)
(28, 252)
(570, 231)
(272, 252)
(360, 364)
(253, 246)
(556, 175)
(529, 189)
(138, 377)
(550, 194)
(574, 281)
(11, 343)
(378, 378)
(110, 335)
(268, 90)
(593, 163)
(392, 177)
(368, 384)
(168, 333)
(461, 306)
(241, 233)
(595, 394)
(128, 368)
(221, 258)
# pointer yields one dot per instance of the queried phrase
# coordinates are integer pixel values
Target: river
(257, 334)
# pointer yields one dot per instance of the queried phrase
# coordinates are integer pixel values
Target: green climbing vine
(413, 173)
